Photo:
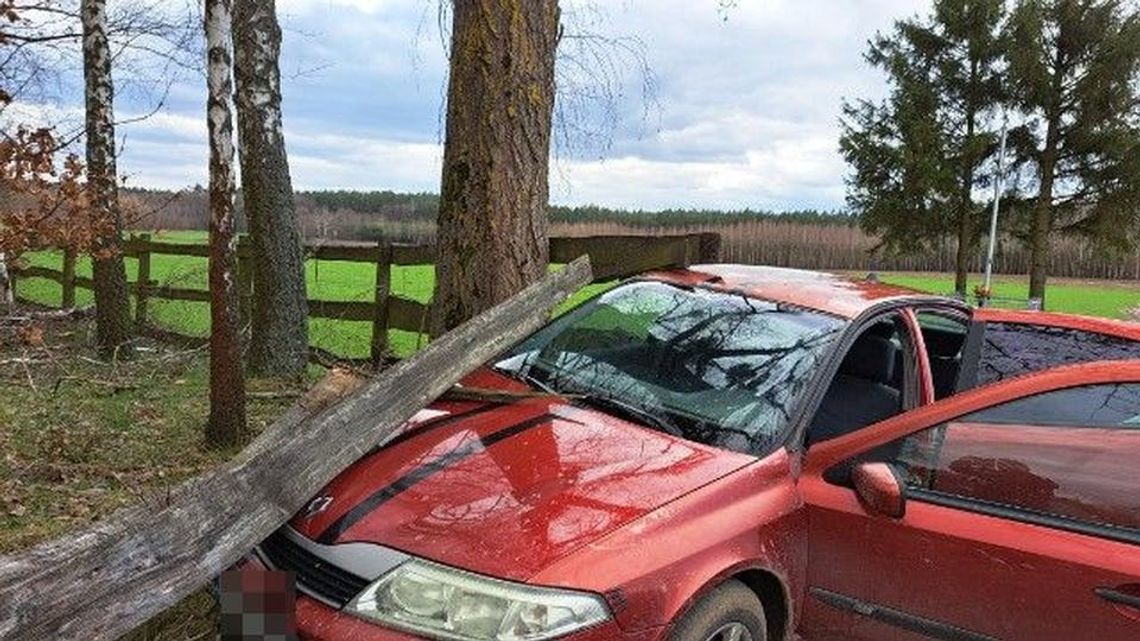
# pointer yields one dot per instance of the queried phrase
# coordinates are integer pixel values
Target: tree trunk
(112, 298)
(966, 202)
(492, 232)
(962, 259)
(1042, 223)
(227, 424)
(1042, 226)
(279, 338)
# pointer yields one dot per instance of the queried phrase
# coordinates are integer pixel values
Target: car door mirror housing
(880, 489)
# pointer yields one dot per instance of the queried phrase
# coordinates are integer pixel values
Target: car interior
(868, 387)
(945, 337)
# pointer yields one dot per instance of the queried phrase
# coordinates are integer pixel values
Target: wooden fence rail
(611, 256)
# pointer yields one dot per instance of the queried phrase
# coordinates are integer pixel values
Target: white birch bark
(279, 344)
(112, 298)
(227, 424)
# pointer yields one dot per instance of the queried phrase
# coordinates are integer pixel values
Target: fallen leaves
(32, 336)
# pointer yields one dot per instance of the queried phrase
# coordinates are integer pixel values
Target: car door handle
(1118, 597)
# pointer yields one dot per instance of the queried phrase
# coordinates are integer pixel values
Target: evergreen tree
(917, 157)
(1074, 67)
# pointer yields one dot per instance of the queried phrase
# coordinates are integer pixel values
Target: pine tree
(1074, 67)
(917, 157)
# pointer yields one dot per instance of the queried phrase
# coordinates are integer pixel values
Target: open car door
(1009, 512)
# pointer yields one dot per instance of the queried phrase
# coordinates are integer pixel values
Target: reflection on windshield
(716, 368)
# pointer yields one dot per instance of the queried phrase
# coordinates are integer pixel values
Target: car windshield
(716, 368)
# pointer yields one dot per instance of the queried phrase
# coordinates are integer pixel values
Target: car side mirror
(880, 489)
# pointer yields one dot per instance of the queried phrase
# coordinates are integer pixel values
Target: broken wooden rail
(102, 582)
(612, 257)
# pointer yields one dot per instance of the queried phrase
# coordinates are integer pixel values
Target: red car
(736, 453)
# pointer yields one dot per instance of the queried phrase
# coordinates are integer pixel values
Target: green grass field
(326, 280)
(1109, 299)
(332, 280)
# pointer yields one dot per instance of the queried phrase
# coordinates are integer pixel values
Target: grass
(80, 439)
(1110, 299)
(326, 280)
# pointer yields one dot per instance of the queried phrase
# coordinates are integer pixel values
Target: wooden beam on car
(102, 582)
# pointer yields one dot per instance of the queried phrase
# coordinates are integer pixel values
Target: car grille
(314, 575)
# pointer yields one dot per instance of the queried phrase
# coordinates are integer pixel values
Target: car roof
(835, 294)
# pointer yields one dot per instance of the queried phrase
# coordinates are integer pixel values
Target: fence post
(380, 306)
(142, 283)
(245, 280)
(68, 281)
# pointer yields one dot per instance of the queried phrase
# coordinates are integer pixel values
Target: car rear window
(1011, 349)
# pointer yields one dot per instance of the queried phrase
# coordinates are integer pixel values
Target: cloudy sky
(743, 110)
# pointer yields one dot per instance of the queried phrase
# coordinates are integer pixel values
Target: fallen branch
(272, 396)
(103, 581)
(24, 361)
(52, 314)
(114, 386)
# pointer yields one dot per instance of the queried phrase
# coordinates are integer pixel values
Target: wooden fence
(611, 256)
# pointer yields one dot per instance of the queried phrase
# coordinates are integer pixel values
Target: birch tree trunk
(227, 424)
(279, 343)
(492, 232)
(112, 298)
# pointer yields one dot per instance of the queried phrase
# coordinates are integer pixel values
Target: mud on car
(731, 453)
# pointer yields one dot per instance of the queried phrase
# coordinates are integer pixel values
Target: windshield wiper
(628, 411)
(526, 377)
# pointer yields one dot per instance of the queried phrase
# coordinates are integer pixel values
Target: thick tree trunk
(1042, 223)
(279, 339)
(1042, 226)
(492, 233)
(966, 205)
(227, 424)
(112, 298)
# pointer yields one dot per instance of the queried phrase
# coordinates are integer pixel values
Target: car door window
(944, 335)
(1010, 349)
(1066, 458)
(870, 385)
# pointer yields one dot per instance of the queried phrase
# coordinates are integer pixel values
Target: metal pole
(999, 181)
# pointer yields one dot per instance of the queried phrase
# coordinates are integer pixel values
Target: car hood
(506, 489)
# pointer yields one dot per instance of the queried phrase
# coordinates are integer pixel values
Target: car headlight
(445, 603)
